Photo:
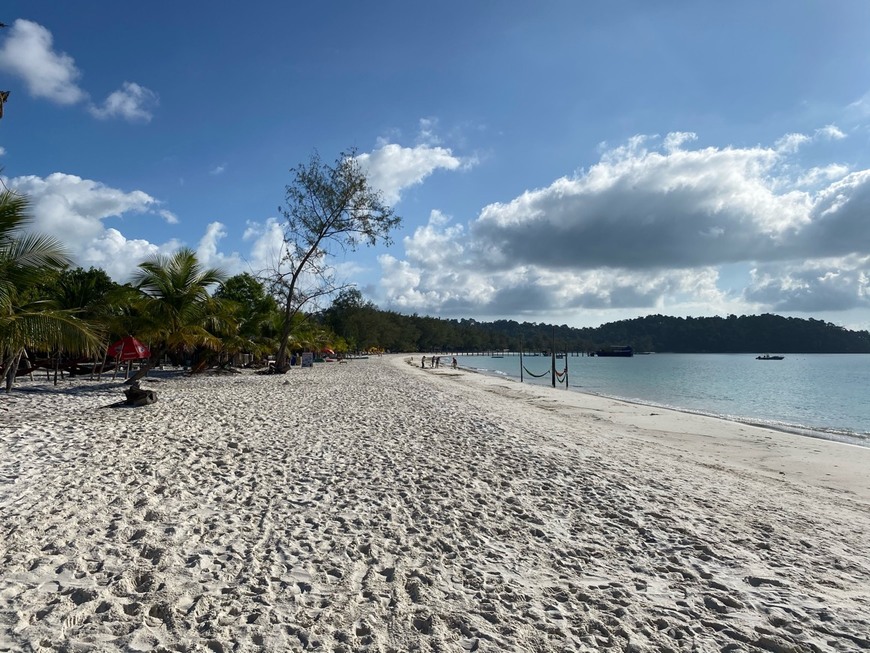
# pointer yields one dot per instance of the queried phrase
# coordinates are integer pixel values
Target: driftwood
(136, 396)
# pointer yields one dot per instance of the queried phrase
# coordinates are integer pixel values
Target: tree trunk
(11, 367)
(103, 366)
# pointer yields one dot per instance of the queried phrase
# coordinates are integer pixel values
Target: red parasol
(327, 350)
(128, 349)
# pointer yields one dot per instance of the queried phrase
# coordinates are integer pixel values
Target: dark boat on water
(621, 350)
(768, 357)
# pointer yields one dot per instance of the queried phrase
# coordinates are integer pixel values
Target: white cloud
(675, 140)
(822, 174)
(131, 102)
(830, 284)
(645, 227)
(860, 108)
(393, 168)
(831, 133)
(28, 53)
(209, 255)
(73, 210)
(118, 255)
(169, 216)
(218, 170)
(428, 135)
(2, 151)
(266, 244)
(791, 142)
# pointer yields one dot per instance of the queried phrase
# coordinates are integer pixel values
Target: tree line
(178, 307)
(361, 324)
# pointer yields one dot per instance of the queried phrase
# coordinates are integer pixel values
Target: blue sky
(563, 162)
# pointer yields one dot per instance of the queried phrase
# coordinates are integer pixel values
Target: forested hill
(748, 333)
(363, 325)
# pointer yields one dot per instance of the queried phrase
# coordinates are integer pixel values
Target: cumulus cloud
(640, 208)
(831, 133)
(73, 210)
(208, 250)
(791, 142)
(393, 168)
(837, 284)
(131, 102)
(266, 244)
(651, 222)
(28, 53)
(76, 210)
(118, 255)
(822, 174)
(169, 216)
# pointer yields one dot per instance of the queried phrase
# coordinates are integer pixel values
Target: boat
(616, 350)
(768, 357)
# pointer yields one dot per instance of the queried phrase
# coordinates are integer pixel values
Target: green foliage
(257, 315)
(28, 320)
(176, 312)
(364, 326)
(325, 206)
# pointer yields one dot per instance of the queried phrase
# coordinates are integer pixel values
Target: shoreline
(854, 474)
(376, 506)
(831, 434)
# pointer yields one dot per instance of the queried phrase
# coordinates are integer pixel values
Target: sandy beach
(377, 506)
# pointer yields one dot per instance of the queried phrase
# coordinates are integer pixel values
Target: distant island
(366, 325)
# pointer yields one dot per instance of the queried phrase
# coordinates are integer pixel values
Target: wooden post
(103, 366)
(553, 357)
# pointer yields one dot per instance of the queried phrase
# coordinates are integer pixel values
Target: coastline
(379, 506)
(840, 465)
(835, 430)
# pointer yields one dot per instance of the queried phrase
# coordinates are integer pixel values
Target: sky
(559, 162)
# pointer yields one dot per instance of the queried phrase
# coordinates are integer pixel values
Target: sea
(816, 395)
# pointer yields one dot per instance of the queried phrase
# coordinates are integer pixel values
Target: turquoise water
(818, 395)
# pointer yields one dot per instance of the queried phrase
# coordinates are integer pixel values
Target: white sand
(375, 506)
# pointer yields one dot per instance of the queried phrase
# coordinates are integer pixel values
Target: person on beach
(423, 362)
(454, 362)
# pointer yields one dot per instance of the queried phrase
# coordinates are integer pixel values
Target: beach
(378, 506)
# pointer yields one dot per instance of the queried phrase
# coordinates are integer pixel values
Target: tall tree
(27, 320)
(180, 310)
(326, 206)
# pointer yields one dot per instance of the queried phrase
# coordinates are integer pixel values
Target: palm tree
(27, 320)
(180, 314)
(256, 313)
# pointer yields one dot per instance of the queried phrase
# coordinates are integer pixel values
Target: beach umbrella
(128, 349)
(327, 350)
